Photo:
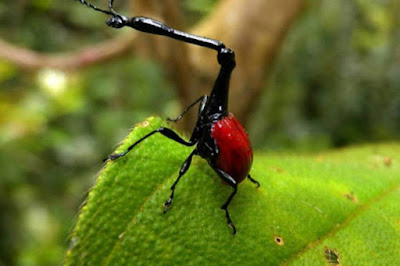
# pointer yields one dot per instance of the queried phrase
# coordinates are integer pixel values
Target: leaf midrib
(363, 208)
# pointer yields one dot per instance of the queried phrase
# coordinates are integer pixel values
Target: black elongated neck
(218, 102)
(217, 106)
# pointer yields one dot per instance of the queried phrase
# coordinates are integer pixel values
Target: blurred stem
(31, 60)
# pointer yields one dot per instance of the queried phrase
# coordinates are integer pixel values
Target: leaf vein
(345, 223)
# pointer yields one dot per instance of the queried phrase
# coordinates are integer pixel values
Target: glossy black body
(212, 108)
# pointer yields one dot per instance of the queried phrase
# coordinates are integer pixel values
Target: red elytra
(235, 152)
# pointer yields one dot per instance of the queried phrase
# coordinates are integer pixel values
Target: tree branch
(172, 53)
(255, 30)
(30, 60)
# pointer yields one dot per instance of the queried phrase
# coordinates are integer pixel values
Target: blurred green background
(335, 82)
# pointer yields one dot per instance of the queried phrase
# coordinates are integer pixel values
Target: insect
(218, 135)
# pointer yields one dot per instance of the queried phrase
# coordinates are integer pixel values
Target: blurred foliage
(335, 82)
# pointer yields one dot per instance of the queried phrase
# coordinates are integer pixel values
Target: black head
(116, 20)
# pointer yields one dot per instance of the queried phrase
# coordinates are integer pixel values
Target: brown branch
(172, 53)
(255, 30)
(31, 60)
(178, 59)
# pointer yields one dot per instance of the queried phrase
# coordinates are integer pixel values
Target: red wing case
(235, 152)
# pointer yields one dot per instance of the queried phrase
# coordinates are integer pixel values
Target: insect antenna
(108, 12)
(111, 6)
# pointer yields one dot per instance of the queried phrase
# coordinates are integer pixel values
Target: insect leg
(184, 168)
(254, 181)
(163, 130)
(95, 7)
(230, 181)
(202, 99)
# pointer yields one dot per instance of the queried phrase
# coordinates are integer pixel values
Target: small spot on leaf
(121, 235)
(277, 169)
(351, 197)
(279, 240)
(144, 124)
(331, 256)
(387, 161)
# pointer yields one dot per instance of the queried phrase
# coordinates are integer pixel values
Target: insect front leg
(169, 133)
(202, 99)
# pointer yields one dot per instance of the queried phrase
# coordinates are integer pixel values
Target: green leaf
(340, 206)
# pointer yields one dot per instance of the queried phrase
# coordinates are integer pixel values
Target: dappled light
(52, 82)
